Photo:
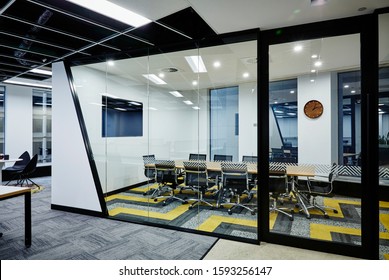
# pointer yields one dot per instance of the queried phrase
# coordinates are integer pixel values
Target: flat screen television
(121, 118)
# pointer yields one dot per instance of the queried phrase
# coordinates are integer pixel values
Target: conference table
(295, 171)
(7, 192)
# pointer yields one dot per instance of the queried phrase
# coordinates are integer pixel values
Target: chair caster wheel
(164, 203)
(155, 200)
(326, 216)
(292, 212)
(252, 213)
(291, 219)
(190, 207)
(221, 206)
(336, 211)
(229, 212)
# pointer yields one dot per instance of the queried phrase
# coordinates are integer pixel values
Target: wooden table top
(7, 191)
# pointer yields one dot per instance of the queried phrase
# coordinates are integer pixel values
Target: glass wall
(2, 120)
(41, 104)
(315, 196)
(383, 129)
(151, 123)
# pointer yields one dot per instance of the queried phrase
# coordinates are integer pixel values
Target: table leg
(1, 172)
(27, 219)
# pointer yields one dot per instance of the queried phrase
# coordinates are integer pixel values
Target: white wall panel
(72, 181)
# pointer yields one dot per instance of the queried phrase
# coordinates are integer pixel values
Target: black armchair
(278, 185)
(24, 176)
(13, 171)
(166, 177)
(196, 177)
(235, 183)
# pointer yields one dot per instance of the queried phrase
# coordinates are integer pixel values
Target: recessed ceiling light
(194, 83)
(312, 80)
(110, 63)
(216, 64)
(176, 93)
(135, 103)
(292, 91)
(318, 63)
(353, 91)
(298, 48)
(196, 108)
(161, 75)
(246, 75)
(313, 71)
(114, 11)
(318, 2)
(26, 83)
(188, 102)
(314, 56)
(154, 79)
(120, 109)
(196, 63)
(346, 86)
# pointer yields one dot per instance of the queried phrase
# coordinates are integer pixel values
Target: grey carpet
(59, 235)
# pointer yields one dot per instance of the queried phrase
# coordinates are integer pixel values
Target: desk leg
(27, 219)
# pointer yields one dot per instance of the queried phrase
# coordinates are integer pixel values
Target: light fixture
(41, 71)
(113, 11)
(318, 2)
(135, 103)
(161, 75)
(188, 102)
(175, 93)
(312, 80)
(314, 56)
(278, 111)
(346, 86)
(381, 104)
(26, 83)
(120, 109)
(298, 48)
(110, 63)
(196, 63)
(291, 114)
(353, 91)
(216, 64)
(292, 91)
(196, 108)
(194, 83)
(318, 63)
(154, 79)
(313, 71)
(246, 75)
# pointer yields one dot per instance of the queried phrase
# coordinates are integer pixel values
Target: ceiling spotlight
(292, 91)
(298, 48)
(194, 83)
(246, 75)
(346, 86)
(318, 2)
(318, 63)
(161, 75)
(312, 80)
(216, 64)
(314, 56)
(313, 71)
(110, 63)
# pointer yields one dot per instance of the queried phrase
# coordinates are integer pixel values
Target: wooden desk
(7, 192)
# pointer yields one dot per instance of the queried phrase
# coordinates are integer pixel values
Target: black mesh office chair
(249, 159)
(196, 176)
(234, 184)
(320, 188)
(24, 176)
(278, 184)
(166, 177)
(149, 170)
(222, 157)
(13, 171)
(197, 157)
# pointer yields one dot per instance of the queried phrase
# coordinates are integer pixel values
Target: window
(41, 102)
(2, 95)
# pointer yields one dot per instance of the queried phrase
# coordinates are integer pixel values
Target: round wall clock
(313, 109)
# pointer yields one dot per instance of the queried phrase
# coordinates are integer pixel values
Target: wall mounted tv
(121, 118)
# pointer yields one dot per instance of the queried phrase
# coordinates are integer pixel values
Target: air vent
(170, 70)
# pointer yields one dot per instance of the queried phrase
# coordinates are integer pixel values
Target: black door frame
(367, 27)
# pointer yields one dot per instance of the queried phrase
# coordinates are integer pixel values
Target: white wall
(318, 137)
(18, 120)
(72, 180)
(247, 120)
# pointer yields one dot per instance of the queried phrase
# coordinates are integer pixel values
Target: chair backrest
(249, 159)
(234, 175)
(197, 157)
(196, 173)
(278, 182)
(25, 160)
(222, 157)
(147, 159)
(31, 166)
(165, 171)
(149, 170)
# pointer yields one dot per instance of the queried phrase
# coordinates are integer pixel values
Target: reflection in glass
(308, 174)
(2, 119)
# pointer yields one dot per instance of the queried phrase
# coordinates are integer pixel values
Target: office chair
(149, 170)
(197, 157)
(315, 188)
(166, 177)
(196, 176)
(234, 184)
(24, 176)
(278, 184)
(222, 157)
(249, 159)
(13, 171)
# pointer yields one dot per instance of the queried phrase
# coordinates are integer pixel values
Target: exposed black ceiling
(37, 33)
